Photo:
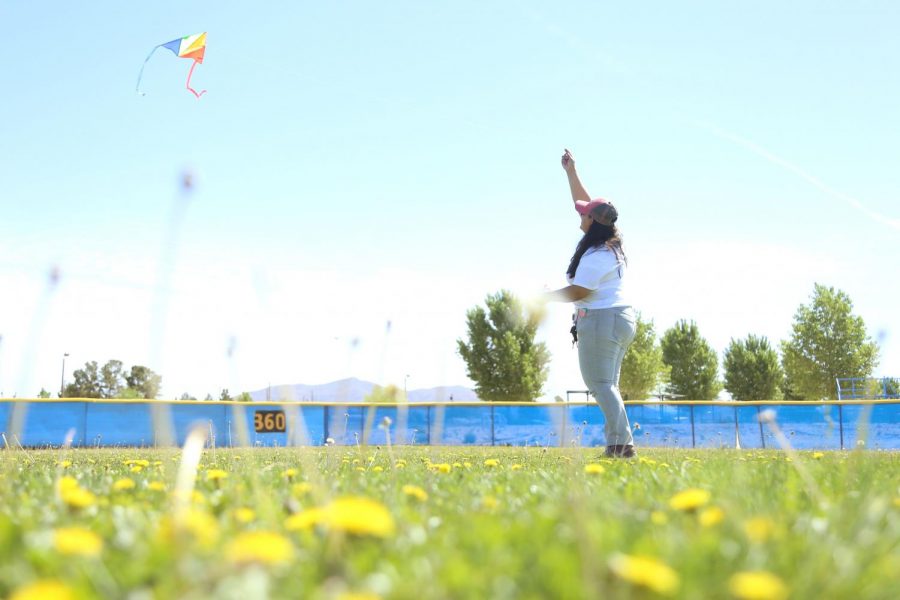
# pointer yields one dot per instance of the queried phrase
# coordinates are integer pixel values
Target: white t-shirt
(602, 272)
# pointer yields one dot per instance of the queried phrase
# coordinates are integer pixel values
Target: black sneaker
(626, 451)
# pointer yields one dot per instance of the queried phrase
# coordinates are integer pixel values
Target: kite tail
(188, 84)
(137, 87)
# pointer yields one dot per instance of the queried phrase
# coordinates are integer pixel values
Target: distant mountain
(450, 393)
(354, 390)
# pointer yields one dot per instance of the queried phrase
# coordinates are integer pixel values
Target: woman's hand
(536, 308)
(568, 162)
(570, 293)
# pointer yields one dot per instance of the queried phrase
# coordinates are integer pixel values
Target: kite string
(137, 87)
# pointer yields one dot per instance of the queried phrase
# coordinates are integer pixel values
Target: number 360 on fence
(269, 421)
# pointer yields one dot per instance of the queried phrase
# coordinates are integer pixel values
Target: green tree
(86, 382)
(111, 379)
(789, 390)
(643, 368)
(225, 396)
(752, 369)
(892, 387)
(389, 394)
(186, 396)
(144, 381)
(130, 393)
(209, 397)
(827, 341)
(693, 362)
(43, 393)
(243, 397)
(501, 355)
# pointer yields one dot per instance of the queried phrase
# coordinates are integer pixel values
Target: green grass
(535, 526)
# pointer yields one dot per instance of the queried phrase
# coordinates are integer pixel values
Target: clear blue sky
(359, 163)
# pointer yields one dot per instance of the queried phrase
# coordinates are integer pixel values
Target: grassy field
(448, 523)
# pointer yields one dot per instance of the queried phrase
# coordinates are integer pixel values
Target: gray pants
(603, 337)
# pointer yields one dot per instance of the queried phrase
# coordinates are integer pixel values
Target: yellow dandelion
(201, 525)
(594, 469)
(712, 516)
(196, 524)
(156, 486)
(358, 596)
(300, 489)
(244, 515)
(457, 465)
(66, 482)
(645, 572)
(136, 469)
(305, 519)
(646, 461)
(657, 517)
(123, 484)
(416, 492)
(361, 469)
(759, 529)
(897, 501)
(77, 541)
(492, 462)
(757, 585)
(360, 516)
(516, 467)
(43, 590)
(65, 464)
(377, 468)
(690, 499)
(400, 464)
(467, 464)
(289, 473)
(818, 455)
(216, 475)
(441, 467)
(77, 497)
(490, 503)
(262, 547)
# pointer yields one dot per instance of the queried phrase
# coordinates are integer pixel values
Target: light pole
(62, 378)
(405, 379)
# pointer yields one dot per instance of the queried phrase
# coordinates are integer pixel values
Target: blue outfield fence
(111, 423)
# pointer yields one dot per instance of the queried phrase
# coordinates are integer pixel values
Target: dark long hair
(597, 235)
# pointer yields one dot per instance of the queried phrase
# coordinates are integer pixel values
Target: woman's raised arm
(578, 191)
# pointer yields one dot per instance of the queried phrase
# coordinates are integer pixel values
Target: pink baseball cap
(599, 210)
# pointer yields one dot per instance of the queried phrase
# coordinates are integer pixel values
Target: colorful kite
(190, 46)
